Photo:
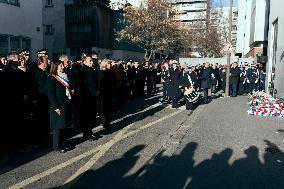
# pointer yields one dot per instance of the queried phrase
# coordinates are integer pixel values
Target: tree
(211, 33)
(152, 26)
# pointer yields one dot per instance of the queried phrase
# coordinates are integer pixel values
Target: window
(3, 44)
(49, 3)
(49, 30)
(15, 43)
(11, 2)
(26, 43)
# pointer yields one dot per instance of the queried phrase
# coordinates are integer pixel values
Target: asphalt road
(153, 146)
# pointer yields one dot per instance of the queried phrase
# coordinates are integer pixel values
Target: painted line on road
(120, 136)
(77, 158)
(53, 169)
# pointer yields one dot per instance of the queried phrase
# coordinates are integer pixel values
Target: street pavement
(152, 145)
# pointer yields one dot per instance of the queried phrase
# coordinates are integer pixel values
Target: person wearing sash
(59, 95)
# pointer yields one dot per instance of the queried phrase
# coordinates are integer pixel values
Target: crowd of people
(43, 95)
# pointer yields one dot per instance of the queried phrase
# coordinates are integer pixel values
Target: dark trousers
(205, 91)
(57, 139)
(105, 120)
(213, 88)
(175, 102)
(189, 105)
(234, 88)
(241, 88)
(165, 90)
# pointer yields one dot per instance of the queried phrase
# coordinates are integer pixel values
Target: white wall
(220, 61)
(261, 22)
(276, 11)
(241, 26)
(23, 21)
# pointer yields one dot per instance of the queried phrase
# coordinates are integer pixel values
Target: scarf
(63, 79)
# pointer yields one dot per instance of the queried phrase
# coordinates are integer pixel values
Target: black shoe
(93, 137)
(61, 150)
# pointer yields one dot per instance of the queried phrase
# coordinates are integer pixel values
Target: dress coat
(175, 82)
(107, 89)
(58, 100)
(206, 78)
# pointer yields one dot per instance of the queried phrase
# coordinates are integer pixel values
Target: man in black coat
(89, 102)
(41, 98)
(206, 81)
(165, 78)
(175, 82)
(234, 79)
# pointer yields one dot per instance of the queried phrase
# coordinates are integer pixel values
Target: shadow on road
(180, 171)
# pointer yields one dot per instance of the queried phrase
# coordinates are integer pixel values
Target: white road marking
(120, 136)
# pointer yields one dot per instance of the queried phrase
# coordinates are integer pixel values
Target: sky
(226, 3)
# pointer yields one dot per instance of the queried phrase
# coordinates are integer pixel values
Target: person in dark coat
(59, 95)
(214, 78)
(150, 78)
(90, 92)
(206, 81)
(165, 79)
(234, 79)
(76, 84)
(107, 89)
(175, 82)
(189, 81)
(242, 81)
(41, 96)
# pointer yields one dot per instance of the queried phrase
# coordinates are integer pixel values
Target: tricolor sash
(65, 83)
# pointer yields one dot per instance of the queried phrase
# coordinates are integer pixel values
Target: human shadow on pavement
(112, 174)
(180, 171)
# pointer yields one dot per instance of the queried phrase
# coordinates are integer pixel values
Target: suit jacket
(235, 73)
(206, 78)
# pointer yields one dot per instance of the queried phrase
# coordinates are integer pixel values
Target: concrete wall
(276, 11)
(127, 55)
(23, 21)
(55, 16)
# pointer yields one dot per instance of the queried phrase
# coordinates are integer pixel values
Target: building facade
(252, 29)
(221, 16)
(275, 65)
(190, 11)
(89, 26)
(21, 26)
(54, 38)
